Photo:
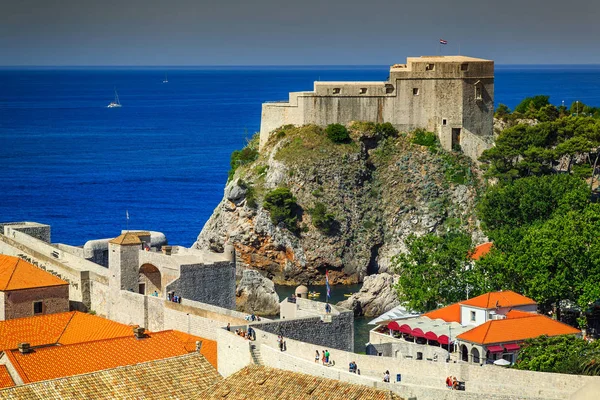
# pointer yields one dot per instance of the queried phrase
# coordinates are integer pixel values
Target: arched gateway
(149, 280)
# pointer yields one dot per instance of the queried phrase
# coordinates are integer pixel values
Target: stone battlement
(450, 95)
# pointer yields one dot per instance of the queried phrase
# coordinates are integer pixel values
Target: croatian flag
(442, 41)
(327, 284)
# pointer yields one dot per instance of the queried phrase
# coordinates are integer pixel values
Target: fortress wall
(482, 380)
(212, 283)
(34, 229)
(233, 352)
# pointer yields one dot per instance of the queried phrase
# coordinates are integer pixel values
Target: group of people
(246, 334)
(353, 368)
(252, 318)
(452, 383)
(281, 343)
(323, 357)
(174, 298)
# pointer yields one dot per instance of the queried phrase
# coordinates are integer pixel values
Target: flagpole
(127, 218)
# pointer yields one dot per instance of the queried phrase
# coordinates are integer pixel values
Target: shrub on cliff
(386, 130)
(283, 208)
(337, 133)
(242, 157)
(424, 138)
(321, 219)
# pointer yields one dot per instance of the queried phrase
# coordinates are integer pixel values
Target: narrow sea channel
(361, 329)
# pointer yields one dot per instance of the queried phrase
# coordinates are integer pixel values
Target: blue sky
(307, 32)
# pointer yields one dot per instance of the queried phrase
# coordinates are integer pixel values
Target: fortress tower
(450, 95)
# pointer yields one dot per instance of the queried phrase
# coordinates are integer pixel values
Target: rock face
(378, 190)
(375, 297)
(256, 294)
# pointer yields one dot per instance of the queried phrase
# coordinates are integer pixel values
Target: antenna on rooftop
(127, 218)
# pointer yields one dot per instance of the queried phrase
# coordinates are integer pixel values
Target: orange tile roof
(18, 274)
(59, 361)
(516, 329)
(449, 313)
(208, 350)
(127, 238)
(506, 298)
(519, 314)
(63, 328)
(6, 380)
(481, 250)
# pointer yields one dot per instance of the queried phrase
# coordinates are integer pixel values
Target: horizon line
(267, 65)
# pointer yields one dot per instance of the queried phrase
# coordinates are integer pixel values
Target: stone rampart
(34, 229)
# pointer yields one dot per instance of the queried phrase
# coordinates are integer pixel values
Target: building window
(464, 67)
(389, 89)
(478, 95)
(363, 90)
(430, 67)
(336, 90)
(419, 355)
(415, 91)
(444, 122)
(38, 307)
(472, 315)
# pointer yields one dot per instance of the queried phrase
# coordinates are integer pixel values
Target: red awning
(393, 326)
(417, 332)
(512, 347)
(443, 339)
(430, 336)
(495, 349)
(405, 329)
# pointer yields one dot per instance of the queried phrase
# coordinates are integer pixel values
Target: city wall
(423, 376)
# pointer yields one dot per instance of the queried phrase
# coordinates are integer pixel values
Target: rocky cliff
(376, 190)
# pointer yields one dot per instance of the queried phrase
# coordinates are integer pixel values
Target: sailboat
(116, 103)
(165, 80)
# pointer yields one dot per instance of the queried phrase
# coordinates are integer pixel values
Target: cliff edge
(354, 203)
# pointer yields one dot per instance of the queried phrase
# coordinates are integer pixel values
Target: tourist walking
(317, 356)
(323, 357)
(327, 308)
(386, 376)
(280, 342)
(327, 357)
(229, 327)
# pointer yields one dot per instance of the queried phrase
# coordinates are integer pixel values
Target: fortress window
(415, 91)
(430, 67)
(363, 90)
(444, 121)
(389, 89)
(464, 67)
(336, 90)
(478, 95)
(38, 307)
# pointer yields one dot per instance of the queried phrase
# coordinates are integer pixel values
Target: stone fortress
(452, 96)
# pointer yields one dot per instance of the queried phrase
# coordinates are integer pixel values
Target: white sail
(116, 103)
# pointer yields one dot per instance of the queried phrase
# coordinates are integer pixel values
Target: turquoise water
(361, 329)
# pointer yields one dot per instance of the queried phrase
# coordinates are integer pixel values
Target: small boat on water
(165, 80)
(314, 294)
(348, 294)
(116, 103)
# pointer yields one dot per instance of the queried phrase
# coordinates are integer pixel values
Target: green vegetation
(247, 155)
(534, 104)
(424, 138)
(337, 133)
(321, 219)
(250, 193)
(433, 271)
(524, 150)
(283, 208)
(560, 354)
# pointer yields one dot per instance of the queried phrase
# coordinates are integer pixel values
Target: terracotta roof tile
(516, 329)
(5, 378)
(449, 313)
(208, 350)
(506, 298)
(18, 274)
(63, 328)
(183, 377)
(481, 250)
(59, 361)
(255, 382)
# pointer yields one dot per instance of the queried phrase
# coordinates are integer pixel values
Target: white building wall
(466, 316)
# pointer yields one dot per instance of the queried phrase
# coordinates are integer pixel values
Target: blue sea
(68, 161)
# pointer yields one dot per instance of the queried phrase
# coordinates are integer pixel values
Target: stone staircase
(255, 354)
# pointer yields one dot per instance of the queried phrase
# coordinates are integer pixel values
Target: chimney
(138, 331)
(25, 348)
(167, 250)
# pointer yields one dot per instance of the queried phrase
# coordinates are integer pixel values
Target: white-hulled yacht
(116, 103)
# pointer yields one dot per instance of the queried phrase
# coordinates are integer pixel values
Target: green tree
(532, 104)
(321, 219)
(283, 208)
(434, 271)
(502, 111)
(337, 133)
(547, 113)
